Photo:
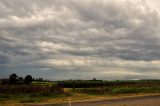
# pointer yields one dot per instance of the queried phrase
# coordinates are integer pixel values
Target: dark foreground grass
(24, 98)
(29, 93)
(29, 98)
(29, 89)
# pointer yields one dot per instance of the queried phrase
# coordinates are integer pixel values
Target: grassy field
(117, 90)
(60, 91)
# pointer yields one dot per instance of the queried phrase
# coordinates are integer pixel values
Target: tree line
(14, 79)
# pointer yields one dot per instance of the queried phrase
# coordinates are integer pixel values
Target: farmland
(60, 91)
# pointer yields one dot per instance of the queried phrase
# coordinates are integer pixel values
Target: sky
(80, 39)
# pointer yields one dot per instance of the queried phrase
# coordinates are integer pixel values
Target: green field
(77, 89)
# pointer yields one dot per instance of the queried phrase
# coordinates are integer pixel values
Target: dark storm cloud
(79, 37)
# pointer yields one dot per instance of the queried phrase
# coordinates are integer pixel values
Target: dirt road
(134, 101)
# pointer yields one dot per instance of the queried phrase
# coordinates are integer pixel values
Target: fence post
(69, 102)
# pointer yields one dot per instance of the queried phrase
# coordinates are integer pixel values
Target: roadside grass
(74, 97)
(116, 105)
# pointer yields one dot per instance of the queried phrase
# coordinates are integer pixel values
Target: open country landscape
(79, 53)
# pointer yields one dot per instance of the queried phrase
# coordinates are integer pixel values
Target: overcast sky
(80, 39)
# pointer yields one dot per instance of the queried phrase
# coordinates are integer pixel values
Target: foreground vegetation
(117, 90)
(27, 89)
(100, 83)
(99, 87)
(29, 93)
(40, 91)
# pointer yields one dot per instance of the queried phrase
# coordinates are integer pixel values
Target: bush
(13, 78)
(28, 79)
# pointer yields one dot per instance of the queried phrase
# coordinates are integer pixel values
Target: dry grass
(11, 103)
(143, 102)
(77, 97)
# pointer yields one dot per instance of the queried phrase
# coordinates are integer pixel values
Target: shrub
(28, 79)
(13, 78)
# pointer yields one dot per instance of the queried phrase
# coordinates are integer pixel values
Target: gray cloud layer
(59, 39)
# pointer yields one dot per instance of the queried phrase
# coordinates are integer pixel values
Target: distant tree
(40, 79)
(13, 78)
(33, 79)
(28, 79)
(94, 79)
